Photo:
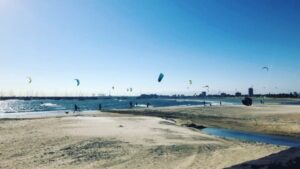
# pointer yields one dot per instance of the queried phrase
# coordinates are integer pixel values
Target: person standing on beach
(75, 108)
(100, 107)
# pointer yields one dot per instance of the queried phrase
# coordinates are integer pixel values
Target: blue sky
(127, 43)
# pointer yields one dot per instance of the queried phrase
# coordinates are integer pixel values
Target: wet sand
(106, 140)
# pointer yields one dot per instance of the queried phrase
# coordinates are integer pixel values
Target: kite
(207, 87)
(266, 68)
(29, 79)
(160, 78)
(77, 81)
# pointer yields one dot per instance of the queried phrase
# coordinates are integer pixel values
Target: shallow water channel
(253, 137)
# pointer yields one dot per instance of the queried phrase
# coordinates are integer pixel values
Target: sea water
(16, 106)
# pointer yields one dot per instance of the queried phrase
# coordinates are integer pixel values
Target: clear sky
(127, 43)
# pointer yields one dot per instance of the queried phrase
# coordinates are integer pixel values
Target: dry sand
(117, 141)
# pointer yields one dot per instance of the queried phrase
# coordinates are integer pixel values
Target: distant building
(250, 92)
(238, 94)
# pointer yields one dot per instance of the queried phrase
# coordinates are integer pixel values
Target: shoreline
(283, 120)
(279, 120)
(110, 140)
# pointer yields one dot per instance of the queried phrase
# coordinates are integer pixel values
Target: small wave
(50, 105)
(142, 105)
(188, 100)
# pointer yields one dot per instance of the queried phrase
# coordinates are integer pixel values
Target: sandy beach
(111, 140)
(270, 119)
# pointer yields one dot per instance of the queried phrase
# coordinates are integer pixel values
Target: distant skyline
(127, 43)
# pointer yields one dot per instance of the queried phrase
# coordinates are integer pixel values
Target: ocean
(18, 106)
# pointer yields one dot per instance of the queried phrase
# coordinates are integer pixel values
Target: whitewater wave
(50, 105)
(142, 106)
